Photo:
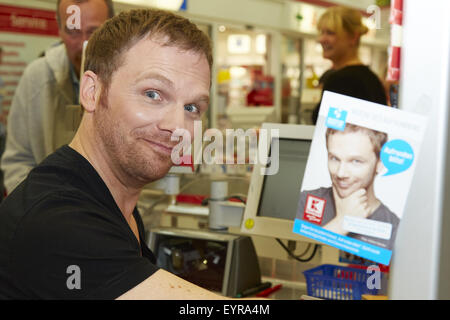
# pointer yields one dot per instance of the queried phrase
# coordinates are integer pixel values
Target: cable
(237, 197)
(242, 195)
(238, 178)
(205, 202)
(188, 184)
(298, 257)
(304, 252)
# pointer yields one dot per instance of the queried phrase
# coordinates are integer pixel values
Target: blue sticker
(336, 119)
(397, 156)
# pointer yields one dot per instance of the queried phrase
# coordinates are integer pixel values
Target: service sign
(358, 175)
(24, 34)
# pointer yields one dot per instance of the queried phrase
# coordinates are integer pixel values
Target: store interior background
(266, 43)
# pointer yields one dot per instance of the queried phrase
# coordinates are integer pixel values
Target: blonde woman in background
(340, 30)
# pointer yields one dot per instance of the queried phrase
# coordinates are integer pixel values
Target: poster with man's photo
(359, 171)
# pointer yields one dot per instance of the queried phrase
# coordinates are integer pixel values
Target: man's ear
(90, 89)
(380, 167)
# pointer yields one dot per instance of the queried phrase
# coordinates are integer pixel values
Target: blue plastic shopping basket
(337, 283)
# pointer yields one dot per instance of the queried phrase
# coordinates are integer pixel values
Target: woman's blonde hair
(342, 19)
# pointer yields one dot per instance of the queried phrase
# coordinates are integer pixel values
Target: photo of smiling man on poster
(358, 175)
(350, 206)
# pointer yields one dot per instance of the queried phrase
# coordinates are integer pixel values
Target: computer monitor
(272, 200)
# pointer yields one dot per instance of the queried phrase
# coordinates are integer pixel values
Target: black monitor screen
(280, 192)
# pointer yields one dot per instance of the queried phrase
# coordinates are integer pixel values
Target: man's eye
(153, 95)
(191, 108)
(72, 31)
(90, 32)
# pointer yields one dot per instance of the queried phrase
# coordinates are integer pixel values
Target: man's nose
(173, 119)
(342, 171)
(85, 37)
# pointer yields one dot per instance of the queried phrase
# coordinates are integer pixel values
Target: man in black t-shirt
(71, 229)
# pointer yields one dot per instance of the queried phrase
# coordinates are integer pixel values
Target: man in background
(44, 113)
(2, 85)
(353, 164)
(2, 97)
(2, 126)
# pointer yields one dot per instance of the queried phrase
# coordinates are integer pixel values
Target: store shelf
(311, 96)
(250, 117)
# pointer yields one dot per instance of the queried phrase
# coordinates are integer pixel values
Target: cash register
(217, 261)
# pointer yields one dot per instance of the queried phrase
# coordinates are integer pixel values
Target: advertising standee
(358, 175)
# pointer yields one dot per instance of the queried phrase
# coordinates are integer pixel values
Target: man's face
(352, 162)
(156, 90)
(92, 15)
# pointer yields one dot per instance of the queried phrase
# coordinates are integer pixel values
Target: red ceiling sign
(28, 20)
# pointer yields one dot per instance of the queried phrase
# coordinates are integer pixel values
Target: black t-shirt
(356, 81)
(62, 236)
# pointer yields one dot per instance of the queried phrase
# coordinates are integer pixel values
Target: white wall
(421, 260)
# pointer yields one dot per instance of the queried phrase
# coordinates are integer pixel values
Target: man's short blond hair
(377, 138)
(109, 43)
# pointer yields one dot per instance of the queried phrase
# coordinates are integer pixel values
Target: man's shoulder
(49, 200)
(62, 187)
(383, 213)
(38, 67)
(35, 77)
(322, 192)
(58, 181)
(43, 69)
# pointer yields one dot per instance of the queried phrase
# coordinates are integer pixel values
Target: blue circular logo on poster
(397, 156)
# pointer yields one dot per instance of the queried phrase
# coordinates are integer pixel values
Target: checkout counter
(226, 260)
